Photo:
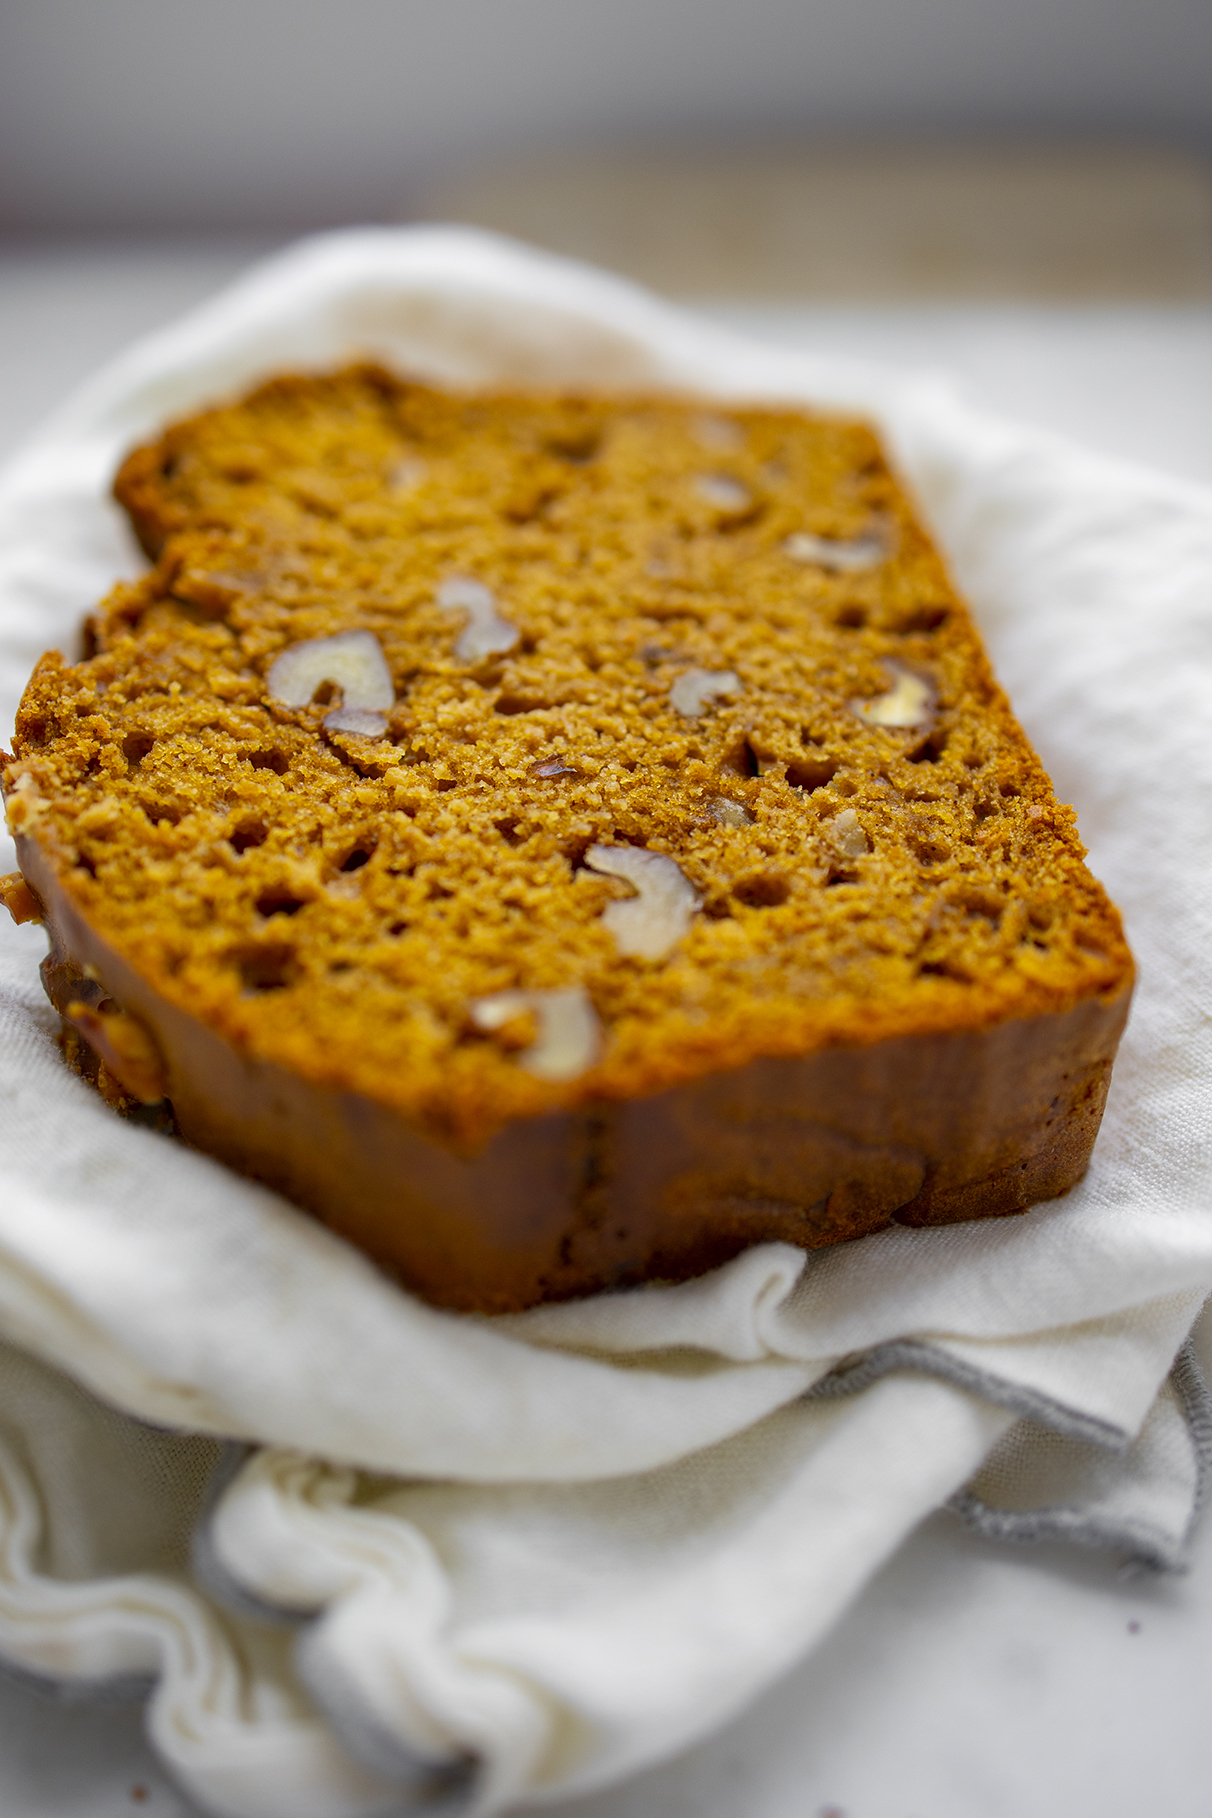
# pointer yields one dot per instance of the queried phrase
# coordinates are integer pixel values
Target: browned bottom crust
(812, 1150)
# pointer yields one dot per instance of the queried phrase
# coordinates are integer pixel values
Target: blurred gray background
(136, 115)
(1016, 192)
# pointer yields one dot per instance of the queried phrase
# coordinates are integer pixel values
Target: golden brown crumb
(339, 902)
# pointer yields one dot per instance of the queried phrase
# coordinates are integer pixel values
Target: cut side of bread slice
(562, 840)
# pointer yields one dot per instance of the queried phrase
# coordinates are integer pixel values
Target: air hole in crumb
(743, 760)
(923, 618)
(979, 905)
(852, 616)
(266, 968)
(33, 731)
(135, 747)
(278, 902)
(168, 467)
(84, 863)
(765, 891)
(355, 860)
(161, 811)
(508, 830)
(520, 703)
(944, 968)
(930, 852)
(931, 749)
(812, 773)
(1008, 789)
(324, 694)
(576, 446)
(526, 509)
(240, 473)
(983, 810)
(553, 766)
(399, 928)
(445, 784)
(248, 835)
(274, 760)
(577, 845)
(839, 874)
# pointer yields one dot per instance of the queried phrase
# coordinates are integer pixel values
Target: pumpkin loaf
(560, 841)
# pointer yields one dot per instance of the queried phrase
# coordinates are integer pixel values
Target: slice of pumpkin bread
(562, 840)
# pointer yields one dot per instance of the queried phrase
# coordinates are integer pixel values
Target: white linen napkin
(455, 1563)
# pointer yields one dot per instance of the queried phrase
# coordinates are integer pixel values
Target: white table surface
(970, 1680)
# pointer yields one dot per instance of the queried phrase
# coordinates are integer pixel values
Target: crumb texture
(608, 629)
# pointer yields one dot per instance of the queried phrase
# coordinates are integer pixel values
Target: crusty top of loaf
(340, 904)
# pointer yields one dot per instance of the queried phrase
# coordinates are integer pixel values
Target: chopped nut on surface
(650, 924)
(833, 553)
(547, 767)
(485, 633)
(909, 701)
(18, 898)
(694, 691)
(22, 801)
(352, 661)
(407, 473)
(729, 813)
(359, 720)
(723, 492)
(846, 835)
(570, 1035)
(126, 1048)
